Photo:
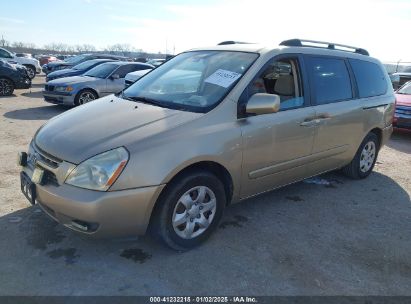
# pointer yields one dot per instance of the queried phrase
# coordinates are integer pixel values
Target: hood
(64, 73)
(105, 124)
(25, 60)
(403, 99)
(72, 80)
(58, 63)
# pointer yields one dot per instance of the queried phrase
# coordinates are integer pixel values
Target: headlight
(63, 88)
(100, 171)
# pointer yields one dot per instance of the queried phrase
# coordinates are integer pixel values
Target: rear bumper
(386, 134)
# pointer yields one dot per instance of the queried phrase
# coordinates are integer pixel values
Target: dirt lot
(336, 237)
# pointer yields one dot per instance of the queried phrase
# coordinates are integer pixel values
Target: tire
(31, 71)
(6, 87)
(172, 221)
(364, 160)
(84, 96)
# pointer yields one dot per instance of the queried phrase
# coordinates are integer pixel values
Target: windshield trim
(183, 107)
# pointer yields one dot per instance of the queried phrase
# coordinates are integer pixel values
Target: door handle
(323, 116)
(309, 122)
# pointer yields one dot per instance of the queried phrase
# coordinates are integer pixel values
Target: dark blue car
(79, 69)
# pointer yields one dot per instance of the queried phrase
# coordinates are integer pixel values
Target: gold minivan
(206, 129)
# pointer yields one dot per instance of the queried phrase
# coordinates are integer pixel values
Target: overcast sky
(380, 26)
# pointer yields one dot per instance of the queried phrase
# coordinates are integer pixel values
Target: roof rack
(329, 45)
(232, 42)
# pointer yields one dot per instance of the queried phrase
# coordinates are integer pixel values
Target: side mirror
(262, 103)
(115, 76)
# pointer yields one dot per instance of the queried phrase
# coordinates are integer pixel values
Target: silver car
(104, 79)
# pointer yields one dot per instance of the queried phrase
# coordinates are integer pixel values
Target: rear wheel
(85, 96)
(363, 163)
(6, 87)
(189, 210)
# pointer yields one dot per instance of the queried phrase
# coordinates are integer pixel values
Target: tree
(18, 44)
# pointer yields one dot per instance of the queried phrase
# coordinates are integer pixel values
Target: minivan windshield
(405, 89)
(102, 70)
(193, 81)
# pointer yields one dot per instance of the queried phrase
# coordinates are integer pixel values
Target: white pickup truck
(32, 64)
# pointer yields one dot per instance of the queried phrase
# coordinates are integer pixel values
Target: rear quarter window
(370, 78)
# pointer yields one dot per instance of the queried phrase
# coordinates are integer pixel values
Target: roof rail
(232, 42)
(329, 45)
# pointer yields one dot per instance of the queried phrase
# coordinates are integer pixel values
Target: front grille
(37, 155)
(50, 179)
(403, 110)
(50, 160)
(49, 88)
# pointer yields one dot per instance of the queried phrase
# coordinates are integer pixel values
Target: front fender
(156, 160)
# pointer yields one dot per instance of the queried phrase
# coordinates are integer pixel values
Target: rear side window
(330, 80)
(370, 78)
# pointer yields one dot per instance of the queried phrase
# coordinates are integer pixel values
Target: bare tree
(30, 45)
(18, 44)
(89, 48)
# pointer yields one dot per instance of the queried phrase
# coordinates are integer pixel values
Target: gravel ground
(342, 237)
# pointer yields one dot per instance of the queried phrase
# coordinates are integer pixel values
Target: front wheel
(6, 87)
(31, 71)
(363, 163)
(84, 96)
(189, 210)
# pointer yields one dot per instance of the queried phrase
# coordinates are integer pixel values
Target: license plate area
(28, 187)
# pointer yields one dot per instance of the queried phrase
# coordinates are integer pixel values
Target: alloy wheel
(86, 97)
(30, 72)
(6, 87)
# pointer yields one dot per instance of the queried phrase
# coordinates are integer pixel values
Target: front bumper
(23, 83)
(402, 117)
(95, 213)
(108, 214)
(59, 98)
(38, 69)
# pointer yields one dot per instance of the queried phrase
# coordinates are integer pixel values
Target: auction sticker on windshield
(222, 78)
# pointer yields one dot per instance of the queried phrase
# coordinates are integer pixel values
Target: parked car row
(13, 76)
(76, 70)
(94, 79)
(32, 64)
(72, 61)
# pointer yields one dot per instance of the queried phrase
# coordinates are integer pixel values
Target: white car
(134, 76)
(156, 62)
(32, 65)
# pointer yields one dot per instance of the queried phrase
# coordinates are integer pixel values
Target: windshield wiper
(145, 100)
